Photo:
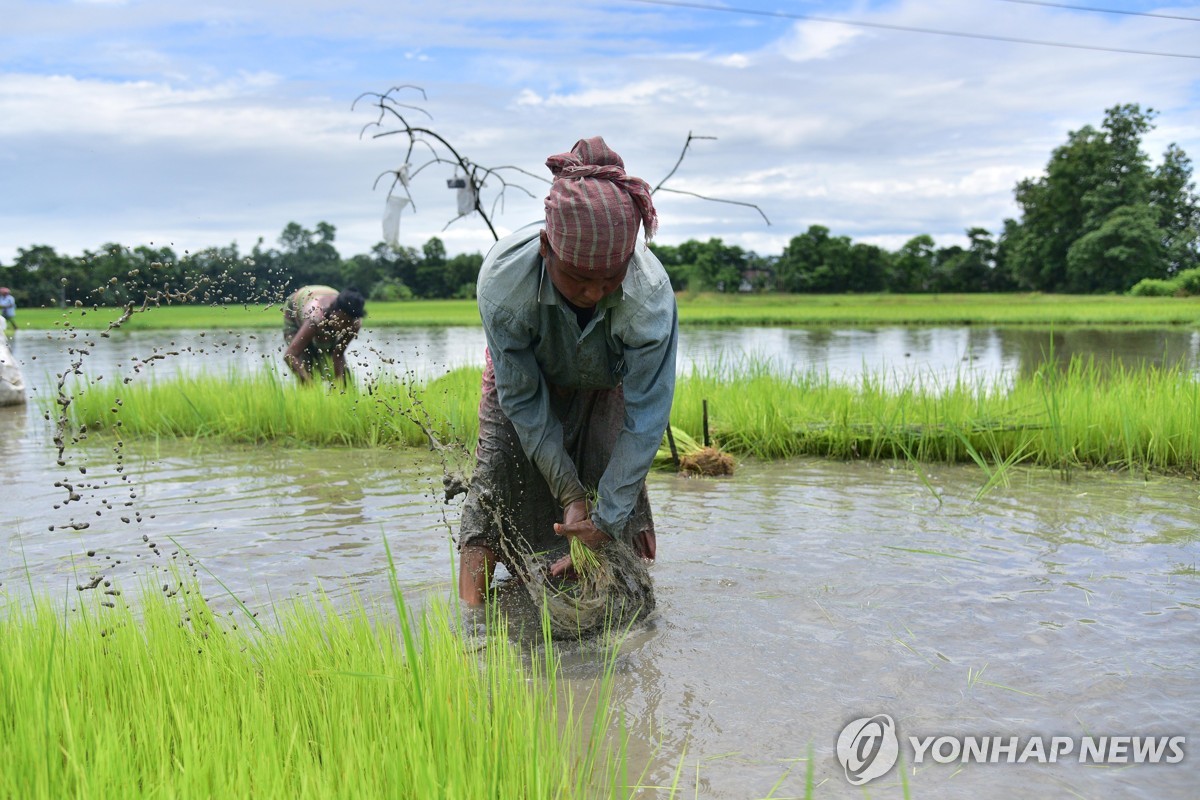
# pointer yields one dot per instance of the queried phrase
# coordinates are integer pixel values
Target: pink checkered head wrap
(594, 208)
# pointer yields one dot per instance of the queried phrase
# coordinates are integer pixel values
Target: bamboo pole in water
(674, 449)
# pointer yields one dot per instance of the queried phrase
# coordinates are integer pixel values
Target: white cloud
(637, 93)
(232, 113)
(735, 60)
(812, 41)
(528, 97)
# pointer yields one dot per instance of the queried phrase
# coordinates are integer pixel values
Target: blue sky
(200, 124)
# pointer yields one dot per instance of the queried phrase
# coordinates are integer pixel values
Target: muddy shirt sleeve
(650, 338)
(525, 400)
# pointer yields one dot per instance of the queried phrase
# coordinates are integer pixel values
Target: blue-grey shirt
(535, 341)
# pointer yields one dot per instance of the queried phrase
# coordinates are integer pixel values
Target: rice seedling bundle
(611, 589)
(694, 458)
(583, 557)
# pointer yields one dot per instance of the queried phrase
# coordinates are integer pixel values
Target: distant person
(579, 375)
(318, 324)
(12, 384)
(8, 308)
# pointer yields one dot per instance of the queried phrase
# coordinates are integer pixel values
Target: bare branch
(721, 200)
(386, 97)
(391, 121)
(686, 145)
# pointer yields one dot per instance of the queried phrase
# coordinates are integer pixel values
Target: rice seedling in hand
(584, 559)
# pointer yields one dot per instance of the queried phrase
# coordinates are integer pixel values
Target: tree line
(114, 275)
(1099, 220)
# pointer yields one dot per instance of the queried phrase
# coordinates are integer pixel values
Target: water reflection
(986, 352)
(1161, 347)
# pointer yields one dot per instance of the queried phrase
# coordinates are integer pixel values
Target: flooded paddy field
(842, 352)
(793, 598)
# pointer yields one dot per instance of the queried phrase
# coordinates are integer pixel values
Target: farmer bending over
(579, 374)
(318, 324)
(8, 308)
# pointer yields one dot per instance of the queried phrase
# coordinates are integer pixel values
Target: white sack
(391, 220)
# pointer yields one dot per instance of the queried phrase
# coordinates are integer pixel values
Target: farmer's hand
(575, 512)
(576, 522)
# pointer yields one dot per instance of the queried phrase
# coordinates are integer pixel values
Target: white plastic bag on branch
(466, 199)
(467, 194)
(391, 220)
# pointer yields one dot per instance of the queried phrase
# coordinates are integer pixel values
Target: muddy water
(793, 598)
(798, 597)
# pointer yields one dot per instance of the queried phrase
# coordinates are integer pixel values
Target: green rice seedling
(1085, 416)
(997, 471)
(684, 445)
(1082, 416)
(177, 700)
(690, 456)
(262, 407)
(583, 558)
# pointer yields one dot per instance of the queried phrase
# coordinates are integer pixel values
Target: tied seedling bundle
(681, 452)
(609, 590)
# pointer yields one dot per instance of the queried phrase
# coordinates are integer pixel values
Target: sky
(201, 124)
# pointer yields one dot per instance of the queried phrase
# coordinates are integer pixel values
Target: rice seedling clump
(174, 700)
(707, 461)
(610, 588)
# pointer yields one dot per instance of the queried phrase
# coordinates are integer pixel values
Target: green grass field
(705, 309)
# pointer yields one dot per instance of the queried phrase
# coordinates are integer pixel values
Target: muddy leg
(476, 564)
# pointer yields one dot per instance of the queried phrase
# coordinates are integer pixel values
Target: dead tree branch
(682, 154)
(391, 111)
(717, 200)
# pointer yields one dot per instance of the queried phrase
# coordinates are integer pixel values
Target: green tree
(970, 269)
(221, 275)
(1126, 248)
(815, 261)
(309, 257)
(429, 279)
(462, 272)
(718, 266)
(912, 266)
(1173, 196)
(1053, 210)
(869, 266)
(1097, 182)
(801, 259)
(42, 277)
